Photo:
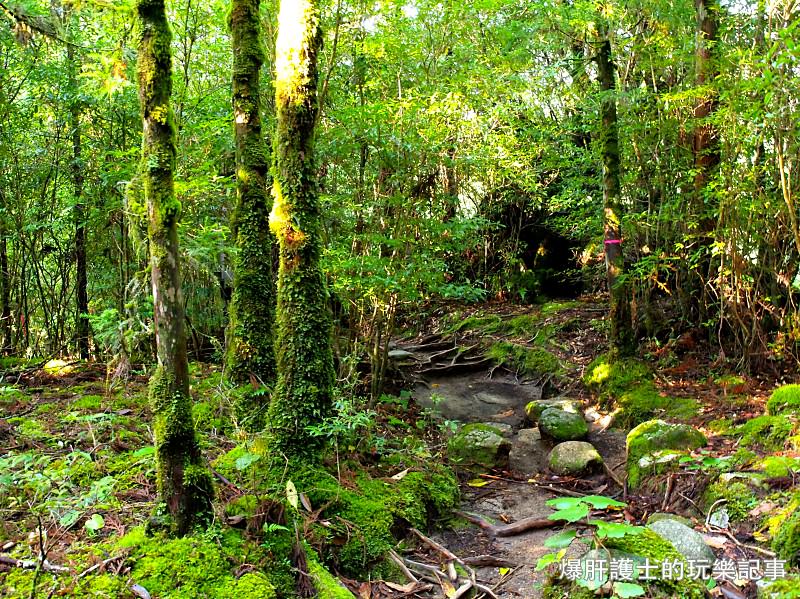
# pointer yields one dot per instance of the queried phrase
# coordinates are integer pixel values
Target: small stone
(562, 426)
(533, 411)
(479, 446)
(688, 542)
(399, 354)
(528, 452)
(574, 458)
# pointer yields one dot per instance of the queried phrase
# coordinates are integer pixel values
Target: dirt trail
(483, 397)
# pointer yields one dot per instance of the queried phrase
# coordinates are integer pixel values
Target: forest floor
(76, 467)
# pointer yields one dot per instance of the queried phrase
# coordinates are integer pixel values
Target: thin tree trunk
(620, 332)
(303, 393)
(5, 291)
(81, 291)
(184, 484)
(250, 343)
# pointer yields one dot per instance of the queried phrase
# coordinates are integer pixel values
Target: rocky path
(500, 401)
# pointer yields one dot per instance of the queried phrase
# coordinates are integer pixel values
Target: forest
(389, 299)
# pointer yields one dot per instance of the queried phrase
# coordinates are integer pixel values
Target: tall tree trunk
(303, 346)
(705, 142)
(706, 138)
(250, 343)
(5, 291)
(620, 332)
(184, 483)
(81, 291)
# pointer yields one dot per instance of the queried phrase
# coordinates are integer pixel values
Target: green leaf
(561, 539)
(615, 530)
(69, 519)
(144, 451)
(628, 589)
(549, 558)
(563, 503)
(95, 523)
(571, 514)
(246, 460)
(599, 502)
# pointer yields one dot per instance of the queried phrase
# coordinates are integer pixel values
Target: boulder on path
(479, 446)
(562, 426)
(574, 458)
(654, 438)
(528, 452)
(533, 411)
(688, 542)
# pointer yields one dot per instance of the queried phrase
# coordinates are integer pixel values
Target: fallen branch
(400, 564)
(29, 564)
(99, 565)
(489, 560)
(509, 530)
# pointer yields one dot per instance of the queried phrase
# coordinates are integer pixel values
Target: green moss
(88, 402)
(769, 432)
(525, 360)
(786, 539)
(739, 498)
(328, 587)
(779, 466)
(784, 400)
(627, 386)
(784, 588)
(650, 545)
(488, 323)
(721, 426)
(478, 445)
(364, 520)
(194, 566)
(654, 436)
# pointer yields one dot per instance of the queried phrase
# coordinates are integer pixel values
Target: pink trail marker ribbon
(613, 241)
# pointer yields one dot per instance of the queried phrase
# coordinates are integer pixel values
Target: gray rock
(574, 458)
(562, 426)
(689, 543)
(479, 446)
(658, 516)
(533, 411)
(528, 452)
(505, 429)
(399, 354)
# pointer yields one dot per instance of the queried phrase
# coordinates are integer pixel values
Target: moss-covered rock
(784, 400)
(688, 542)
(786, 538)
(574, 458)
(655, 436)
(562, 426)
(533, 411)
(479, 446)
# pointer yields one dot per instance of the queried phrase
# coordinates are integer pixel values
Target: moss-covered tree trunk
(250, 343)
(184, 483)
(303, 390)
(620, 331)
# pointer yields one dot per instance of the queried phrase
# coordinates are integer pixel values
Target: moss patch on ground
(528, 361)
(627, 386)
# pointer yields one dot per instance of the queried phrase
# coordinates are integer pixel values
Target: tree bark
(184, 484)
(620, 331)
(81, 286)
(5, 291)
(250, 343)
(706, 138)
(303, 393)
